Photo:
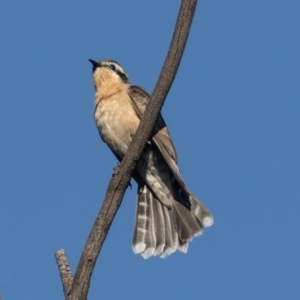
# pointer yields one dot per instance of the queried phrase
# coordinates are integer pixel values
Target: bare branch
(64, 271)
(120, 181)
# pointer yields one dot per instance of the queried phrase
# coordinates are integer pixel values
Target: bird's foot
(115, 168)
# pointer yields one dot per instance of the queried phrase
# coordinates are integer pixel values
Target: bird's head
(108, 75)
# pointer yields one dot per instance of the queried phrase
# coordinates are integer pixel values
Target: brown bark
(64, 271)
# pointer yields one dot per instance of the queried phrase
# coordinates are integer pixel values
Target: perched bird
(168, 215)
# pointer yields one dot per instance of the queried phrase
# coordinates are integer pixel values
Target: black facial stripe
(122, 75)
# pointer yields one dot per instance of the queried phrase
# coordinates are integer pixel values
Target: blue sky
(233, 113)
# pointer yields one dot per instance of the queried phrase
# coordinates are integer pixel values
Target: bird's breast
(116, 121)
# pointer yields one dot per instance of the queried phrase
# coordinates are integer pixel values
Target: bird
(168, 215)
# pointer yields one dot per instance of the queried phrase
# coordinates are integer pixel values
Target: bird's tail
(160, 230)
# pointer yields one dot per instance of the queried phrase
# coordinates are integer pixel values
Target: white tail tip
(208, 221)
(148, 252)
(138, 248)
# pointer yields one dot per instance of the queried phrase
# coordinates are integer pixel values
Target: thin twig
(120, 181)
(64, 271)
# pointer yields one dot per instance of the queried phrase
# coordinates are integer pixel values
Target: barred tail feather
(171, 236)
(154, 232)
(160, 230)
(187, 225)
(190, 205)
(142, 223)
(160, 226)
(200, 211)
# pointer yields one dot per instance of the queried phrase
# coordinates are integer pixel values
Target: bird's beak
(95, 64)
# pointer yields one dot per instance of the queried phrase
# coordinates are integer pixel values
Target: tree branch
(121, 179)
(64, 271)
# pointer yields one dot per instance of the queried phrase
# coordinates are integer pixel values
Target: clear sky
(233, 114)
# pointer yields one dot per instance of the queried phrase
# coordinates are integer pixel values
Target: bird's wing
(161, 136)
(140, 98)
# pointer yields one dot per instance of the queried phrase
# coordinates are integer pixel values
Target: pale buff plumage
(168, 216)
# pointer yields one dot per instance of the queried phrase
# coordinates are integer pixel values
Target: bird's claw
(115, 168)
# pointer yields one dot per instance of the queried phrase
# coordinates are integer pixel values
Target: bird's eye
(113, 67)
